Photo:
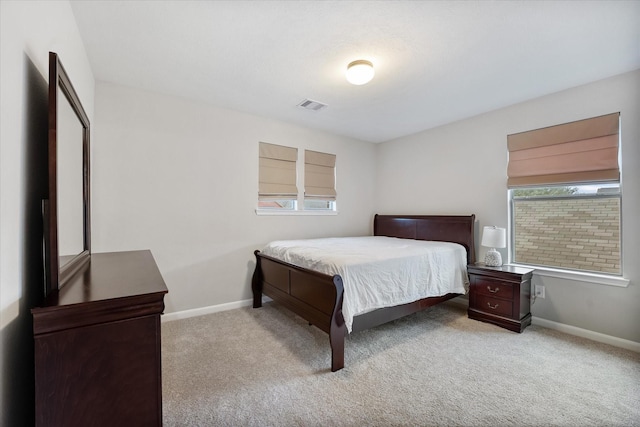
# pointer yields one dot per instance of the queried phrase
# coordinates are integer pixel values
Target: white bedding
(380, 271)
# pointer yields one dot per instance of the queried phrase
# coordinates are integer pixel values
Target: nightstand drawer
(496, 306)
(493, 288)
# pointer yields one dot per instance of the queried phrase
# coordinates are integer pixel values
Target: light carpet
(268, 367)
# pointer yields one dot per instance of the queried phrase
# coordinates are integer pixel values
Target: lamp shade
(494, 237)
(360, 72)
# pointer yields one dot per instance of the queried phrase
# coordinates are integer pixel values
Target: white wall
(28, 31)
(460, 168)
(181, 178)
(163, 178)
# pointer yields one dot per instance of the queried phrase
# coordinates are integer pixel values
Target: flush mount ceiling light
(360, 72)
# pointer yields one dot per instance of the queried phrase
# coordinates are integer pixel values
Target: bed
(318, 297)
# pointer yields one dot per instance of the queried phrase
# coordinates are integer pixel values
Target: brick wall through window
(581, 233)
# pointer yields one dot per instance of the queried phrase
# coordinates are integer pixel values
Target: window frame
(590, 276)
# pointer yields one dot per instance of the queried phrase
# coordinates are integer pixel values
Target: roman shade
(277, 176)
(319, 175)
(577, 152)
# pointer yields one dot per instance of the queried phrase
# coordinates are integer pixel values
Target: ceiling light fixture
(360, 72)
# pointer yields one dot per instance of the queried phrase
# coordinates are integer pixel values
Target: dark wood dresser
(97, 345)
(500, 295)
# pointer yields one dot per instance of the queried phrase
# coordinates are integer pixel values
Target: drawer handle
(492, 307)
(493, 291)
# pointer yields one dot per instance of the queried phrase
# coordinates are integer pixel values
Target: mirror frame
(56, 276)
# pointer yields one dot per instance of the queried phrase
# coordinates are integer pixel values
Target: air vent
(309, 104)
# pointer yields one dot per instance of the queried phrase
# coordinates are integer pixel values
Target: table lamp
(493, 237)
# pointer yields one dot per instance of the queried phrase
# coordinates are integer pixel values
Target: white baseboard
(567, 329)
(572, 330)
(585, 333)
(184, 314)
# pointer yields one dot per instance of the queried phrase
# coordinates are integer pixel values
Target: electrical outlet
(539, 291)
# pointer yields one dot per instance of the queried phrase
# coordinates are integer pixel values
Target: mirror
(67, 230)
(69, 185)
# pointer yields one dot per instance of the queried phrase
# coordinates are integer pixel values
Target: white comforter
(380, 271)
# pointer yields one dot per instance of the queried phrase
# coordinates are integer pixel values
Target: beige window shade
(277, 176)
(576, 152)
(319, 175)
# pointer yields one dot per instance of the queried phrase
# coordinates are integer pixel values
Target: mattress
(380, 271)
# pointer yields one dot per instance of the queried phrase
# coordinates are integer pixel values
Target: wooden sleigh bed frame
(317, 297)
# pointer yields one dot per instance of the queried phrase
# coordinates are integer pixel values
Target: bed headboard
(444, 228)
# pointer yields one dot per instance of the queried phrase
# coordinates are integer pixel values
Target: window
(277, 177)
(278, 191)
(319, 180)
(284, 204)
(575, 228)
(327, 205)
(564, 191)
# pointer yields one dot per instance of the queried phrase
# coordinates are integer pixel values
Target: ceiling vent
(309, 104)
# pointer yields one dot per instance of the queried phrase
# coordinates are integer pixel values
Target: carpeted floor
(267, 367)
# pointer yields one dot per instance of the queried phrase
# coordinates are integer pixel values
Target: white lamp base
(493, 258)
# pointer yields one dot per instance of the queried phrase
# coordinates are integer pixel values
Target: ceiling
(436, 61)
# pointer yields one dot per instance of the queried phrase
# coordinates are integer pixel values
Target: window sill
(275, 212)
(600, 279)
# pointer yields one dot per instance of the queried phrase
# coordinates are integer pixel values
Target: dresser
(97, 345)
(500, 295)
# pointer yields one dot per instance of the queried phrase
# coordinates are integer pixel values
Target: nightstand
(500, 295)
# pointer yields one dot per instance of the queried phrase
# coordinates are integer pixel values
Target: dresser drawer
(492, 288)
(490, 305)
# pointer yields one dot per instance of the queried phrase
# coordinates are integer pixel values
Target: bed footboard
(314, 296)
